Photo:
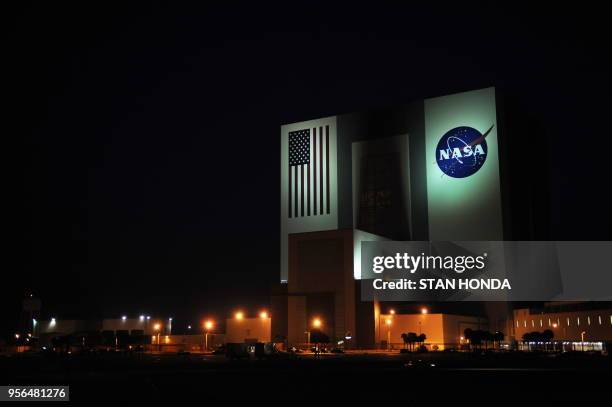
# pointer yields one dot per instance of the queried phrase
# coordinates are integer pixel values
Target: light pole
(388, 333)
(423, 313)
(146, 321)
(157, 327)
(316, 323)
(208, 325)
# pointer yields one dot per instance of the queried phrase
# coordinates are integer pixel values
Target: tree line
(411, 338)
(477, 338)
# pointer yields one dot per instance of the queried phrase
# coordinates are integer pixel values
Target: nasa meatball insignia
(462, 151)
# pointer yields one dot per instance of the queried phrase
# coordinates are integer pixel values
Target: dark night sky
(146, 168)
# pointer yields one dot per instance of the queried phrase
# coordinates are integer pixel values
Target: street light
(123, 318)
(157, 327)
(263, 315)
(316, 323)
(239, 315)
(389, 322)
(208, 325)
(392, 311)
(424, 310)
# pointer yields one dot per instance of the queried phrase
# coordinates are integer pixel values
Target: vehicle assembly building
(378, 176)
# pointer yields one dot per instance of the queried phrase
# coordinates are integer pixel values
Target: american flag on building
(309, 172)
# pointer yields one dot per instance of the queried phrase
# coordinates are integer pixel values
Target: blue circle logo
(462, 151)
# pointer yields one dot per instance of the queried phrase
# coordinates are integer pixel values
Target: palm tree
(498, 337)
(547, 336)
(487, 337)
(467, 334)
(421, 339)
(410, 339)
(404, 337)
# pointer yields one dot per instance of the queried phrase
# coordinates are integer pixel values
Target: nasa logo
(462, 151)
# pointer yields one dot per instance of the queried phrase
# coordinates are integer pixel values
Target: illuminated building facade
(572, 322)
(374, 176)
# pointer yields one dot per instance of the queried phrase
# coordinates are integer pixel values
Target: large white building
(372, 177)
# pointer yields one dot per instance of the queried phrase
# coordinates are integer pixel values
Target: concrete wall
(189, 343)
(248, 329)
(66, 326)
(297, 319)
(596, 324)
(130, 324)
(321, 284)
(442, 330)
(69, 326)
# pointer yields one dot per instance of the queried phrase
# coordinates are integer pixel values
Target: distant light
(263, 315)
(16, 336)
(239, 315)
(188, 326)
(317, 323)
(148, 317)
(388, 321)
(34, 321)
(142, 318)
(52, 323)
(170, 319)
(209, 325)
(29, 335)
(462, 338)
(555, 325)
(424, 311)
(392, 311)
(157, 327)
(123, 318)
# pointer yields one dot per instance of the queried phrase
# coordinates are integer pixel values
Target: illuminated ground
(388, 376)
